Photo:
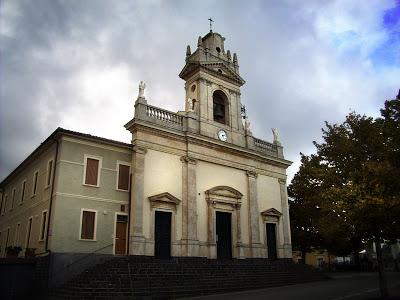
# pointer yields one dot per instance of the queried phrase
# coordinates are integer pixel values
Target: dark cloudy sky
(77, 64)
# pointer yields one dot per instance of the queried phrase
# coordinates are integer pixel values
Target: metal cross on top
(211, 20)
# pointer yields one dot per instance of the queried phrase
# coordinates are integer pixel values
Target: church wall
(268, 194)
(163, 173)
(211, 175)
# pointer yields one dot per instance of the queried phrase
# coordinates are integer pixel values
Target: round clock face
(222, 135)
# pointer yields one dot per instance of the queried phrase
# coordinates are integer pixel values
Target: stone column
(287, 244)
(137, 240)
(190, 243)
(239, 245)
(254, 222)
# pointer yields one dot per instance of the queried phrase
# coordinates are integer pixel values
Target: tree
(354, 181)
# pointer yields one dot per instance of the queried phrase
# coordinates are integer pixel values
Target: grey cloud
(280, 54)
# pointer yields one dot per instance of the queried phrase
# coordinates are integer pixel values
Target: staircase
(151, 278)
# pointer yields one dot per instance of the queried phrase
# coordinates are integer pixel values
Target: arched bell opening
(220, 107)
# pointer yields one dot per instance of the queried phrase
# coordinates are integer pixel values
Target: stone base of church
(287, 251)
(258, 250)
(139, 245)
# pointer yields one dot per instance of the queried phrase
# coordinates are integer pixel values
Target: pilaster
(254, 222)
(137, 240)
(190, 243)
(287, 245)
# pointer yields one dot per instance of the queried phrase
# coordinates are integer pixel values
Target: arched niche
(220, 107)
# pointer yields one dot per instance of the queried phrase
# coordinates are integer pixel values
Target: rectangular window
(5, 204)
(23, 191)
(12, 199)
(123, 177)
(49, 173)
(88, 227)
(34, 183)
(92, 172)
(43, 226)
(8, 236)
(17, 228)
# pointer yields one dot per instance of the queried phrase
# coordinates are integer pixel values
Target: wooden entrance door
(162, 234)
(120, 234)
(271, 240)
(224, 235)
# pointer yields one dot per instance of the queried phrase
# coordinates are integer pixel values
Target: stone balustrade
(164, 115)
(265, 145)
(188, 121)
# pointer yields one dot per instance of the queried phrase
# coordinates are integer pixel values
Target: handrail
(62, 269)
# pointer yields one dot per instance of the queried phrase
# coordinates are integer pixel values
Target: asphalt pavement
(341, 286)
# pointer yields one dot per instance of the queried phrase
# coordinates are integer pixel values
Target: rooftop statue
(142, 86)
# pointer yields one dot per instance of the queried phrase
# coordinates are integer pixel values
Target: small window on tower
(218, 49)
(193, 88)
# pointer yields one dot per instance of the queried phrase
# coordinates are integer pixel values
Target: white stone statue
(276, 135)
(247, 124)
(190, 105)
(142, 86)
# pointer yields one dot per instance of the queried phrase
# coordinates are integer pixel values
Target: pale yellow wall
(269, 196)
(163, 173)
(72, 195)
(211, 175)
(31, 206)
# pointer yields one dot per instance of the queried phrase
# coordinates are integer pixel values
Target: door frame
(115, 231)
(153, 230)
(277, 239)
(174, 252)
(232, 232)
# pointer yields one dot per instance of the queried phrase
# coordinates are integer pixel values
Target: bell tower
(212, 85)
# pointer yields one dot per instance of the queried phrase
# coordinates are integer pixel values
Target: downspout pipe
(46, 249)
(129, 215)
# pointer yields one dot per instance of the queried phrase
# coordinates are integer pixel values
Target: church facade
(194, 183)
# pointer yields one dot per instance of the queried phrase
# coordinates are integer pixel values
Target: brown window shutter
(49, 172)
(123, 177)
(92, 169)
(44, 220)
(88, 225)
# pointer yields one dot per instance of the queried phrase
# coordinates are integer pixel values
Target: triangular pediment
(224, 191)
(165, 198)
(217, 69)
(271, 212)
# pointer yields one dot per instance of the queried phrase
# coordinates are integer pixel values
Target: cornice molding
(189, 160)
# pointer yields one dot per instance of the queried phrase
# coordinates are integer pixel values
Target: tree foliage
(350, 189)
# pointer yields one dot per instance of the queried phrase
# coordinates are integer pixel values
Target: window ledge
(87, 240)
(119, 190)
(91, 185)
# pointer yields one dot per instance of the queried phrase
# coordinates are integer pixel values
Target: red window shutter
(123, 177)
(88, 225)
(92, 169)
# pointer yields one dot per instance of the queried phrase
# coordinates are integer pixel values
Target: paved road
(342, 286)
